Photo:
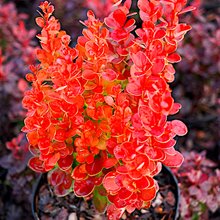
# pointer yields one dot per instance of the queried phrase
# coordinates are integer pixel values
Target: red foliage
(199, 185)
(18, 147)
(102, 8)
(97, 113)
(17, 52)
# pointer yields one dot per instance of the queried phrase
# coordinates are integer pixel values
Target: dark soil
(51, 207)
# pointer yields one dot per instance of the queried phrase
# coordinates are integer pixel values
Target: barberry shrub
(17, 52)
(97, 113)
(199, 186)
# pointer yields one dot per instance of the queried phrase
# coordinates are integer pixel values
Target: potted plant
(97, 119)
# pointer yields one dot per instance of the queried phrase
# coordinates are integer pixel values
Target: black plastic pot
(42, 179)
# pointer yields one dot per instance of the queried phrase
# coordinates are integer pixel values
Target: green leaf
(195, 216)
(100, 201)
(202, 207)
